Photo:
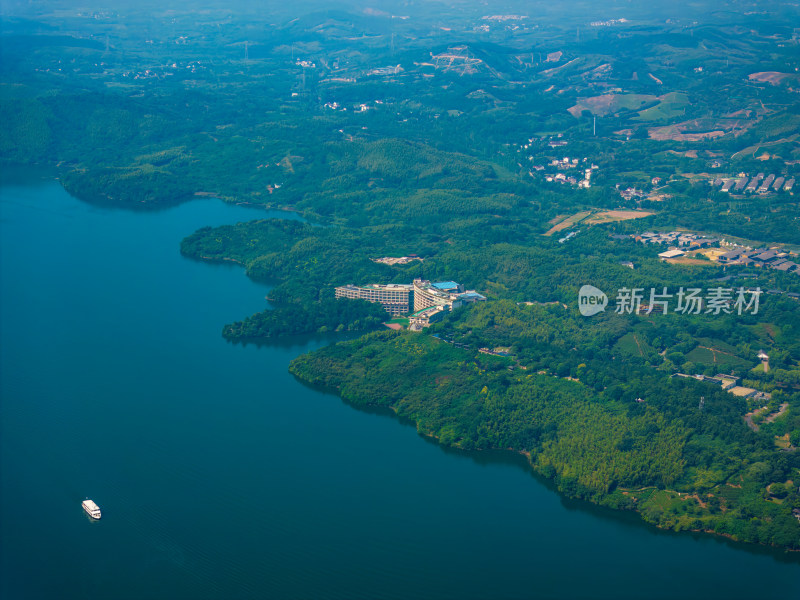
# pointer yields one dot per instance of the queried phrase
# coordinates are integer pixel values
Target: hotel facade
(396, 299)
(428, 302)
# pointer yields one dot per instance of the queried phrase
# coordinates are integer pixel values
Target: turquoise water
(221, 476)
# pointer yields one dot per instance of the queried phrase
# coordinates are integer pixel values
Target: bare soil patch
(610, 216)
(771, 77)
(696, 130)
(684, 260)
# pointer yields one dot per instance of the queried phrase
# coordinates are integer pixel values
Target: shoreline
(744, 545)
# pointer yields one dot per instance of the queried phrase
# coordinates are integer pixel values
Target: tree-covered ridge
(293, 319)
(503, 256)
(680, 467)
(530, 413)
(147, 122)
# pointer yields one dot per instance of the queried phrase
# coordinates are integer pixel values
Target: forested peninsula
(640, 444)
(593, 402)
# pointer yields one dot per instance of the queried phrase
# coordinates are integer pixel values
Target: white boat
(91, 508)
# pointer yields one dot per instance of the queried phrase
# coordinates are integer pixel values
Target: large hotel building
(433, 300)
(425, 300)
(395, 298)
(448, 294)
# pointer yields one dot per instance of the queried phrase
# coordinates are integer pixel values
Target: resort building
(675, 253)
(395, 298)
(444, 293)
(423, 318)
(427, 301)
(427, 294)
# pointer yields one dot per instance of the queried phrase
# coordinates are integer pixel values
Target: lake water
(221, 476)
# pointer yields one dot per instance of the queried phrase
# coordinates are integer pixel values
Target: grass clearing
(607, 104)
(633, 344)
(702, 356)
(718, 345)
(751, 151)
(671, 106)
(696, 130)
(663, 500)
(568, 222)
(399, 321)
(717, 353)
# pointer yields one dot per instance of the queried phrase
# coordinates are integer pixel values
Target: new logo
(591, 300)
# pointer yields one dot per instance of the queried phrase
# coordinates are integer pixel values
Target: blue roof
(445, 285)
